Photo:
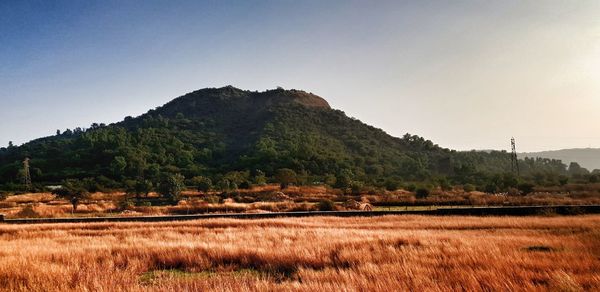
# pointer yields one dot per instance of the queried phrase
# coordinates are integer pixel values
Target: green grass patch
(155, 276)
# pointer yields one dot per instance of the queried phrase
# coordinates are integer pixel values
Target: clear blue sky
(465, 74)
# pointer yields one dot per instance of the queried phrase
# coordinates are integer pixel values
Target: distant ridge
(586, 157)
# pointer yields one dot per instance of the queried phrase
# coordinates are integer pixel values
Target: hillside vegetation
(228, 138)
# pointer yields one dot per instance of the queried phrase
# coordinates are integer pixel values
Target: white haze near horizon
(464, 74)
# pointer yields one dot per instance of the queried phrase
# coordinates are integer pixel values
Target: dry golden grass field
(392, 253)
(271, 199)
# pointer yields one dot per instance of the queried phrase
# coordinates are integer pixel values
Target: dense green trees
(229, 138)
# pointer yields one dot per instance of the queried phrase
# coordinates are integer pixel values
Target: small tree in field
(203, 184)
(171, 186)
(326, 205)
(72, 191)
(526, 188)
(285, 177)
(421, 193)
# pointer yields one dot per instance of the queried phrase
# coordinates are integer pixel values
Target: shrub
(469, 188)
(326, 205)
(126, 204)
(392, 184)
(212, 199)
(356, 187)
(224, 185)
(28, 212)
(421, 193)
(245, 185)
(526, 188)
(563, 180)
(233, 186)
(285, 177)
(203, 184)
(411, 187)
(513, 191)
(145, 204)
(491, 188)
(445, 184)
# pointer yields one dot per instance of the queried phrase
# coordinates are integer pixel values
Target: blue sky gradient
(465, 74)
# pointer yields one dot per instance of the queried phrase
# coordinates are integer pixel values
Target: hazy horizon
(466, 75)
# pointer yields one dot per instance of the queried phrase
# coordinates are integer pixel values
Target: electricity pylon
(26, 173)
(514, 160)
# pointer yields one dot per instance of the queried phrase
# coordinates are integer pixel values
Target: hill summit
(204, 99)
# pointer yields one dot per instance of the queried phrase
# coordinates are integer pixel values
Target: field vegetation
(271, 198)
(391, 253)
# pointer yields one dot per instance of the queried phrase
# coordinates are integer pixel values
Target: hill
(586, 157)
(237, 136)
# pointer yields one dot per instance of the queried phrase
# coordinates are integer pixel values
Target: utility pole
(26, 173)
(514, 160)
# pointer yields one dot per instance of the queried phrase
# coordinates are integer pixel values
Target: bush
(491, 188)
(411, 187)
(285, 177)
(563, 180)
(326, 205)
(203, 184)
(526, 188)
(445, 184)
(469, 188)
(245, 185)
(28, 212)
(392, 184)
(212, 199)
(126, 204)
(356, 187)
(422, 193)
(145, 204)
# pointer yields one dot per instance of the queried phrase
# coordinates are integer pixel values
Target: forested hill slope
(247, 136)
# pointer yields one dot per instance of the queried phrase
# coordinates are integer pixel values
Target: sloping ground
(390, 253)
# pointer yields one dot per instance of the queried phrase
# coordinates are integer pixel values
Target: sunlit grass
(392, 253)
